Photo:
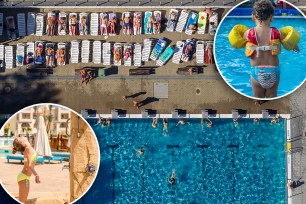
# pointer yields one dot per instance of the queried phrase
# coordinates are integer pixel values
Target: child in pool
(263, 50)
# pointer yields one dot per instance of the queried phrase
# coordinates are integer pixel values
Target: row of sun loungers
(107, 23)
(127, 54)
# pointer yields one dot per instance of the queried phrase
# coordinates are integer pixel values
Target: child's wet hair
(263, 10)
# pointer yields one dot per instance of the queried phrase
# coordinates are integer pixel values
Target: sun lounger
(65, 155)
(21, 24)
(1, 55)
(106, 53)
(213, 23)
(31, 23)
(182, 21)
(200, 52)
(117, 54)
(112, 20)
(137, 54)
(96, 55)
(8, 57)
(147, 46)
(1, 24)
(158, 49)
(178, 52)
(104, 23)
(50, 55)
(61, 54)
(191, 23)
(51, 23)
(187, 71)
(62, 23)
(83, 23)
(20, 158)
(127, 27)
(54, 158)
(140, 71)
(10, 26)
(202, 22)
(39, 24)
(39, 53)
(127, 54)
(165, 56)
(137, 23)
(172, 20)
(29, 59)
(157, 22)
(74, 51)
(188, 56)
(73, 24)
(85, 51)
(94, 24)
(209, 54)
(19, 54)
(148, 25)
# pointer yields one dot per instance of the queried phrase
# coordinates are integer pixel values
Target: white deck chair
(137, 54)
(96, 55)
(128, 61)
(81, 16)
(12, 35)
(85, 51)
(178, 52)
(62, 27)
(30, 52)
(74, 51)
(146, 51)
(21, 23)
(106, 53)
(19, 54)
(182, 21)
(200, 52)
(31, 23)
(9, 57)
(94, 24)
(1, 55)
(39, 24)
(1, 24)
(119, 47)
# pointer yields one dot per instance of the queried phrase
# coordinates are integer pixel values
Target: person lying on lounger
(104, 22)
(157, 23)
(192, 28)
(172, 18)
(149, 24)
(83, 23)
(61, 56)
(210, 53)
(38, 51)
(49, 56)
(51, 25)
(73, 24)
(127, 24)
(127, 53)
(112, 25)
(11, 29)
(62, 23)
(138, 24)
(117, 55)
(188, 51)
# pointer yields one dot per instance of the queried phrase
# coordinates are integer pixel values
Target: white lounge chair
(10, 26)
(202, 22)
(9, 57)
(94, 24)
(104, 25)
(117, 54)
(62, 23)
(178, 52)
(50, 55)
(19, 54)
(157, 17)
(61, 54)
(1, 55)
(39, 48)
(200, 52)
(137, 20)
(21, 23)
(1, 24)
(39, 24)
(31, 23)
(96, 55)
(85, 51)
(182, 21)
(51, 27)
(30, 53)
(73, 27)
(83, 23)
(106, 53)
(137, 54)
(127, 58)
(146, 51)
(74, 51)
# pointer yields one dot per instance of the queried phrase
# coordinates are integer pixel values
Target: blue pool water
(240, 165)
(235, 67)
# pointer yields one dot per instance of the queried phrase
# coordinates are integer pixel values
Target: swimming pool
(235, 67)
(222, 164)
(6, 141)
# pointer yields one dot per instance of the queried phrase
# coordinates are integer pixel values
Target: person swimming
(182, 122)
(140, 151)
(154, 122)
(165, 123)
(171, 179)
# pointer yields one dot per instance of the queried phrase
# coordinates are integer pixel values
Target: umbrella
(42, 146)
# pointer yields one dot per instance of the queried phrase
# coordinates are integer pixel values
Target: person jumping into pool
(171, 179)
(262, 45)
(30, 158)
(165, 123)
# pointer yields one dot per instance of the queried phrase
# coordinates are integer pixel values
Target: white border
(228, 83)
(97, 169)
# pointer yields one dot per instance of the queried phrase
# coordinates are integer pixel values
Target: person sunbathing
(62, 24)
(157, 23)
(61, 56)
(149, 24)
(112, 25)
(84, 25)
(127, 53)
(38, 51)
(210, 54)
(117, 55)
(30, 58)
(83, 75)
(127, 24)
(138, 24)
(172, 18)
(73, 23)
(51, 25)
(104, 22)
(11, 27)
(192, 28)
(188, 51)
(49, 56)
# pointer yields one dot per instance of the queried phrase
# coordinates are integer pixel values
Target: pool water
(222, 164)
(235, 66)
(6, 141)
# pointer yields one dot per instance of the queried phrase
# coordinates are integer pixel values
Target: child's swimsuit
(22, 176)
(265, 76)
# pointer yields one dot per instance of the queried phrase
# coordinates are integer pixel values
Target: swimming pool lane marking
(262, 158)
(204, 158)
(232, 147)
(113, 170)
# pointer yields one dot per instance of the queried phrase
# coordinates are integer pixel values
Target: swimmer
(182, 122)
(154, 122)
(171, 179)
(99, 120)
(140, 151)
(165, 123)
(274, 120)
(235, 120)
(108, 121)
(256, 120)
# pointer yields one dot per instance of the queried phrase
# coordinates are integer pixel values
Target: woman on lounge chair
(103, 28)
(62, 23)
(73, 24)
(30, 157)
(51, 25)
(84, 25)
(61, 56)
(149, 24)
(10, 25)
(112, 25)
(138, 24)
(127, 53)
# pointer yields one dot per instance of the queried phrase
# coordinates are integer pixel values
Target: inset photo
(48, 154)
(259, 49)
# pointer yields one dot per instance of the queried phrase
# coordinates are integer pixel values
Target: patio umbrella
(42, 145)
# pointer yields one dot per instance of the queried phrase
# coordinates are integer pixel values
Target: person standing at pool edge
(263, 49)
